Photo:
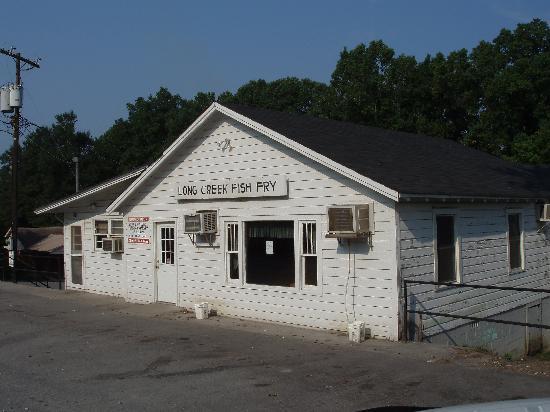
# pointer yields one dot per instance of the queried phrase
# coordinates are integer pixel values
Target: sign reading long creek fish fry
(234, 188)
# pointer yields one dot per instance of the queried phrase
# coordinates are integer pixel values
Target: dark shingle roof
(405, 162)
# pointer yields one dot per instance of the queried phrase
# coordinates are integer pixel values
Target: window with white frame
(76, 255)
(515, 241)
(446, 249)
(308, 255)
(107, 228)
(232, 250)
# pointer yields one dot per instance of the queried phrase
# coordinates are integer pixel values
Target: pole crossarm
(17, 55)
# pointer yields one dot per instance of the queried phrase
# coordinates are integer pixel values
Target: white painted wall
(482, 229)
(103, 273)
(357, 283)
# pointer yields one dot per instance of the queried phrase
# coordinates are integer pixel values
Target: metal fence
(39, 270)
(407, 310)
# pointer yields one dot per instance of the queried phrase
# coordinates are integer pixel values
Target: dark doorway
(270, 253)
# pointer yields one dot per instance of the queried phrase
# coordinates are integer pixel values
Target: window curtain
(270, 230)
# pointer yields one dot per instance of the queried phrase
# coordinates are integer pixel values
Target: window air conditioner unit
(192, 224)
(545, 215)
(350, 221)
(203, 222)
(113, 244)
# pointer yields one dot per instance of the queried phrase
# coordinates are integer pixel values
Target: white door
(165, 263)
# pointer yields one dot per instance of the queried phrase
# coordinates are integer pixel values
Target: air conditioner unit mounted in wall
(202, 222)
(354, 221)
(192, 224)
(545, 215)
(113, 244)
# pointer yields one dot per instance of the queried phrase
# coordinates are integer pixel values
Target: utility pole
(75, 160)
(15, 150)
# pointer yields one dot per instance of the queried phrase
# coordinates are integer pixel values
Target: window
(101, 232)
(232, 252)
(515, 241)
(167, 243)
(270, 253)
(76, 239)
(107, 228)
(309, 253)
(446, 249)
(76, 255)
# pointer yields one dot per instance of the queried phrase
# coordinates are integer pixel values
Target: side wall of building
(482, 230)
(356, 281)
(102, 273)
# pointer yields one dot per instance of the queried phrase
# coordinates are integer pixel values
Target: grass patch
(545, 356)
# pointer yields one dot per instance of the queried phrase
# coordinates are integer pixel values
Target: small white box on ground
(357, 331)
(201, 310)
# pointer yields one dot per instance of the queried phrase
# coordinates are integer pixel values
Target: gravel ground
(64, 351)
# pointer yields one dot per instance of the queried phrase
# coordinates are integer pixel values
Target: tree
(152, 125)
(289, 94)
(46, 169)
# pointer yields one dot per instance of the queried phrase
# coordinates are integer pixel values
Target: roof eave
(409, 198)
(86, 193)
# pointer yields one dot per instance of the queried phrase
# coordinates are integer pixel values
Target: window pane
(446, 259)
(273, 265)
(233, 265)
(76, 239)
(99, 241)
(445, 230)
(310, 270)
(309, 238)
(514, 240)
(101, 226)
(117, 227)
(76, 270)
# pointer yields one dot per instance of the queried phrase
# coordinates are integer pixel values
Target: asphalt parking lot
(66, 351)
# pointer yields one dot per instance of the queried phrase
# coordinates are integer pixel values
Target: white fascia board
(86, 193)
(325, 161)
(216, 107)
(404, 197)
(154, 166)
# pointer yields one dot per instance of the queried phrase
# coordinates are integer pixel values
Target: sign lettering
(234, 188)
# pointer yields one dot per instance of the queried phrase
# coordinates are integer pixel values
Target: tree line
(495, 97)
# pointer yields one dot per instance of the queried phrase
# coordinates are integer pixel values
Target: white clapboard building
(288, 218)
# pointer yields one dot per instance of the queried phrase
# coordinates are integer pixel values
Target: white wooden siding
(368, 274)
(484, 260)
(102, 273)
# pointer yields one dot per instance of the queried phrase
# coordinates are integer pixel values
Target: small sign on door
(268, 247)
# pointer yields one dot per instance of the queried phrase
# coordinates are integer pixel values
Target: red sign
(138, 240)
(138, 218)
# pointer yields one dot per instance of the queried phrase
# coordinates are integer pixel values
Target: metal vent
(545, 217)
(192, 223)
(340, 219)
(209, 221)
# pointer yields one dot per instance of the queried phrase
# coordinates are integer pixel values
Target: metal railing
(465, 317)
(28, 272)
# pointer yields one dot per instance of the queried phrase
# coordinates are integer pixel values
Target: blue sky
(97, 56)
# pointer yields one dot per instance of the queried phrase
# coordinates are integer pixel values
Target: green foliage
(288, 95)
(495, 98)
(46, 169)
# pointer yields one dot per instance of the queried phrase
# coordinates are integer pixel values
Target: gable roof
(39, 239)
(398, 165)
(411, 164)
(216, 107)
(90, 191)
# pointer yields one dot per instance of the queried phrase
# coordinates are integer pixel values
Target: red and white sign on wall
(139, 231)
